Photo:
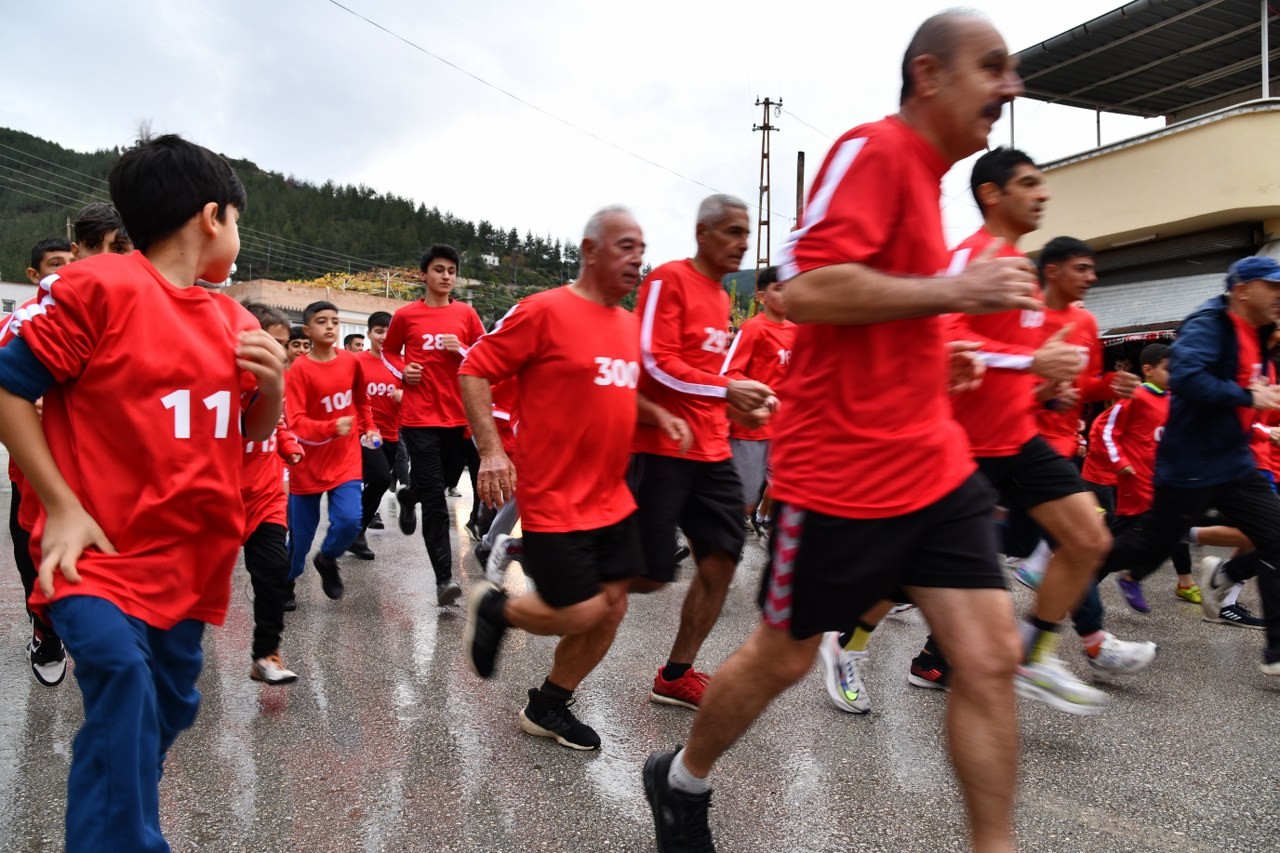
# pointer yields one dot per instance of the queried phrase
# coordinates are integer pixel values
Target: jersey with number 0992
(577, 363)
(381, 385)
(144, 425)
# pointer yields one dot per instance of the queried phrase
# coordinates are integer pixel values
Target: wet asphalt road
(389, 742)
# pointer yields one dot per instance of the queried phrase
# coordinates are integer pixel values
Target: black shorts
(824, 571)
(568, 568)
(1035, 475)
(704, 499)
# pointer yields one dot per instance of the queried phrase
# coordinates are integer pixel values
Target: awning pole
(1266, 57)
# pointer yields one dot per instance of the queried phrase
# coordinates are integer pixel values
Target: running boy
(136, 547)
(328, 410)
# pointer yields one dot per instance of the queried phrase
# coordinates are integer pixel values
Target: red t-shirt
(1131, 435)
(999, 415)
(262, 487)
(1251, 367)
(29, 505)
(317, 394)
(506, 414)
(143, 426)
(1061, 426)
(380, 385)
(577, 366)
(684, 335)
(415, 335)
(1097, 467)
(867, 430)
(761, 351)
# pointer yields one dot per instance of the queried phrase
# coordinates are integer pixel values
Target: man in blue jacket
(1220, 374)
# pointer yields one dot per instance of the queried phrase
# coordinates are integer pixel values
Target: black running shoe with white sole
(330, 579)
(483, 636)
(557, 722)
(408, 519)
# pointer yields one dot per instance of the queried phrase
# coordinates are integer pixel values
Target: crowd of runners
(895, 416)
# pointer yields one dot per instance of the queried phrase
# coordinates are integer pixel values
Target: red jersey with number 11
(144, 425)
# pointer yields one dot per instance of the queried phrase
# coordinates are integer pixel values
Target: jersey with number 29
(577, 363)
(144, 425)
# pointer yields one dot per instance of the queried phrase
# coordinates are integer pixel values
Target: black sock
(1041, 625)
(672, 671)
(493, 609)
(554, 694)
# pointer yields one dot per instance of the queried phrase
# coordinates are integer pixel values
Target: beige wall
(1175, 181)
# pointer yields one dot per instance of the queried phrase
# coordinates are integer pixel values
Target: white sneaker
(505, 549)
(1211, 595)
(843, 671)
(1050, 682)
(270, 670)
(1123, 656)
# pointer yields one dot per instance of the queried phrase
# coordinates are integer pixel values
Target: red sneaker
(685, 691)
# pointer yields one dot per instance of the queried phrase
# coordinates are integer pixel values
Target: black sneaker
(408, 515)
(447, 592)
(481, 554)
(679, 819)
(1238, 614)
(376, 522)
(290, 601)
(557, 722)
(473, 530)
(482, 637)
(330, 580)
(360, 548)
(682, 552)
(48, 658)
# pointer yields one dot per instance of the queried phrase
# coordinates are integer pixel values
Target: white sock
(1039, 559)
(1233, 595)
(1193, 536)
(682, 780)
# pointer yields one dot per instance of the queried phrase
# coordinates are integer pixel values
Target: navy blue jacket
(1204, 442)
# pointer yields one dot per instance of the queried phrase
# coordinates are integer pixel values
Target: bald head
(939, 36)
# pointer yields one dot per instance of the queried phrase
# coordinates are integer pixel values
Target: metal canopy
(1153, 57)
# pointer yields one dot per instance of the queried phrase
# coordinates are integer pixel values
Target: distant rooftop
(1155, 58)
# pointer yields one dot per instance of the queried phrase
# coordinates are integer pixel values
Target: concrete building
(354, 307)
(1169, 210)
(13, 294)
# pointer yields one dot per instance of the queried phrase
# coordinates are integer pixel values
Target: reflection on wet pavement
(388, 742)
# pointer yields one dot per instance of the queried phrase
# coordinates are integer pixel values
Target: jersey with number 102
(144, 426)
(578, 364)
(416, 334)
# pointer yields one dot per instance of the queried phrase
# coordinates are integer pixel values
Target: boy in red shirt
(761, 350)
(136, 547)
(384, 391)
(327, 408)
(432, 336)
(266, 547)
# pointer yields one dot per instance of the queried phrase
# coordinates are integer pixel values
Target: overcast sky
(306, 88)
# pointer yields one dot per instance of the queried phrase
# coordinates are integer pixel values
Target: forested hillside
(293, 230)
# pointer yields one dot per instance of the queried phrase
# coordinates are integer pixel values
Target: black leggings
(267, 559)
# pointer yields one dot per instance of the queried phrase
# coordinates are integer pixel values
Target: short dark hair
(1061, 249)
(440, 250)
(45, 246)
(379, 319)
(159, 184)
(297, 333)
(1153, 354)
(93, 222)
(997, 167)
(935, 37)
(767, 276)
(346, 342)
(315, 308)
(266, 315)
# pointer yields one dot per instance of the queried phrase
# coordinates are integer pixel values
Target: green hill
(292, 230)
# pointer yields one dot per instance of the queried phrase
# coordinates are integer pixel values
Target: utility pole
(765, 202)
(799, 187)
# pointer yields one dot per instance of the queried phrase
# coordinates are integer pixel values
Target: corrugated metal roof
(1147, 302)
(1153, 57)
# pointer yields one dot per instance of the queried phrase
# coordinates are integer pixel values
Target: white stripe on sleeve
(651, 363)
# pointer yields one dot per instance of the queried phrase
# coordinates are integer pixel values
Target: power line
(806, 124)
(521, 100)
